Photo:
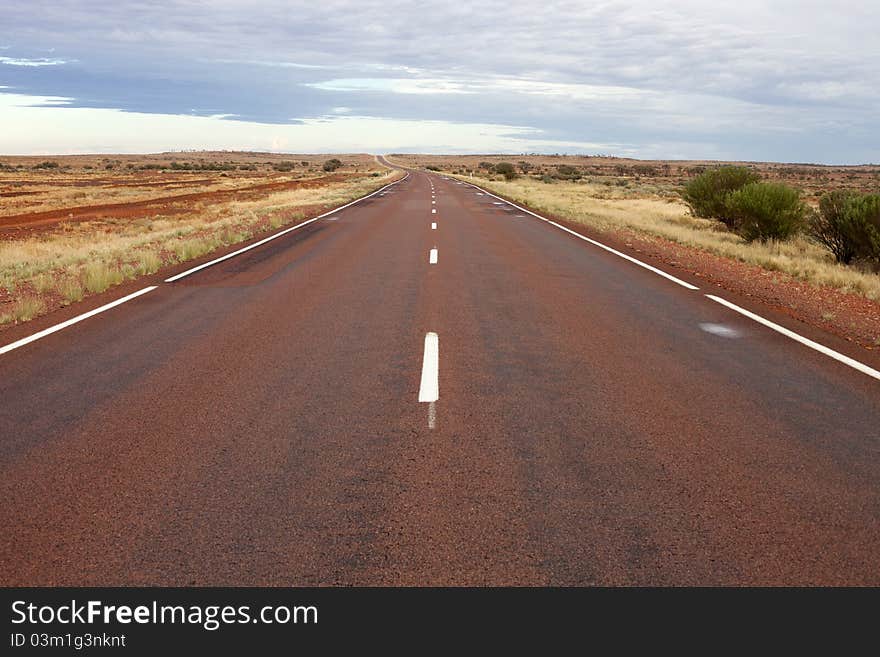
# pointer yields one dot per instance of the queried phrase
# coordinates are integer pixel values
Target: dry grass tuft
(24, 309)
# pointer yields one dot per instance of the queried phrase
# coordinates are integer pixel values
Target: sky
(775, 80)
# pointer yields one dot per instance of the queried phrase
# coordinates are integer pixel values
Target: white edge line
(822, 349)
(74, 320)
(429, 388)
(635, 261)
(177, 277)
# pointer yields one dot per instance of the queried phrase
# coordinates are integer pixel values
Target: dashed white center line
(429, 388)
(433, 210)
(432, 257)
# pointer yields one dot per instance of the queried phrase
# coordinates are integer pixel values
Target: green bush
(567, 172)
(864, 214)
(506, 169)
(332, 164)
(706, 195)
(766, 211)
(848, 224)
(830, 226)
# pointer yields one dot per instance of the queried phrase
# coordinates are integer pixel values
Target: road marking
(822, 349)
(75, 320)
(210, 263)
(720, 330)
(432, 257)
(433, 202)
(497, 203)
(433, 225)
(429, 389)
(433, 210)
(432, 415)
(620, 254)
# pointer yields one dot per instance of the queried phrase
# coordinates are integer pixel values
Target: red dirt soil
(17, 225)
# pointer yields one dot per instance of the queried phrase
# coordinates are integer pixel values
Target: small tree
(332, 164)
(831, 228)
(506, 169)
(766, 211)
(706, 195)
(862, 216)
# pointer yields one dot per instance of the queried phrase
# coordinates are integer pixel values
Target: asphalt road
(259, 422)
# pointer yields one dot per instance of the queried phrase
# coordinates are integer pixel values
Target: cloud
(789, 79)
(271, 63)
(88, 130)
(394, 85)
(41, 61)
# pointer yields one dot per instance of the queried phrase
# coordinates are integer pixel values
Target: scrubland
(48, 263)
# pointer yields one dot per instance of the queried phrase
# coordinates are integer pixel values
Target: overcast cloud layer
(754, 79)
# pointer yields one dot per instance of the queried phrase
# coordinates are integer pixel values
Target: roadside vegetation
(49, 269)
(732, 211)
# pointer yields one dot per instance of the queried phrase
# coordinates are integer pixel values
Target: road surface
(433, 387)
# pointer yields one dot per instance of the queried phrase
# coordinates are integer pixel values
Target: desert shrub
(831, 228)
(524, 166)
(201, 166)
(332, 164)
(848, 225)
(706, 195)
(548, 179)
(433, 167)
(287, 166)
(46, 165)
(766, 211)
(506, 169)
(864, 213)
(567, 172)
